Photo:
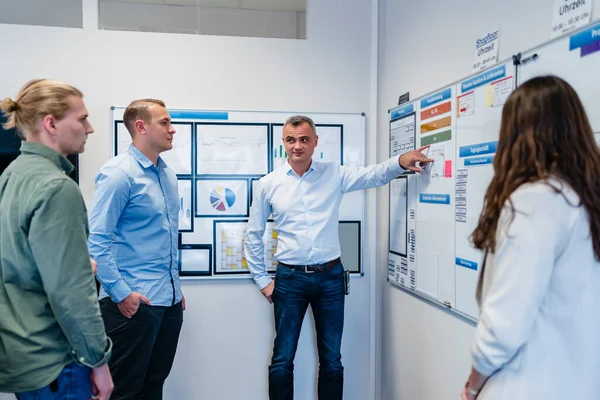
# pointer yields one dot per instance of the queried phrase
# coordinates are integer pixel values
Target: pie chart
(222, 198)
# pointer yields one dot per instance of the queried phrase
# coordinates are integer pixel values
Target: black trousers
(143, 348)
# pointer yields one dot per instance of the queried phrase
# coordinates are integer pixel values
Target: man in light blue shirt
(303, 197)
(133, 238)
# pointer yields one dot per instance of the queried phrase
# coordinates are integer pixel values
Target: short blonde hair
(139, 109)
(38, 98)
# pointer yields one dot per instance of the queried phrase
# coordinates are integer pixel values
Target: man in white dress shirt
(303, 196)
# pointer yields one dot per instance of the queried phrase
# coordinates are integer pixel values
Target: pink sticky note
(448, 169)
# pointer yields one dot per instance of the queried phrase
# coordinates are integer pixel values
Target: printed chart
(227, 149)
(229, 247)
(222, 197)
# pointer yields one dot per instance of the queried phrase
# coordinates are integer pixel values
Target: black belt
(314, 267)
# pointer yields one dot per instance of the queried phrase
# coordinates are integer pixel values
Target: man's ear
(49, 123)
(140, 126)
(316, 139)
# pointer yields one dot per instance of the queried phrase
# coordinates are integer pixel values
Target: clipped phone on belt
(347, 282)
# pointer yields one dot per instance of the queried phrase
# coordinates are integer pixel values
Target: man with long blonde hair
(52, 338)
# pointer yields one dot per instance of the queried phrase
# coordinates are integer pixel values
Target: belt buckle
(306, 271)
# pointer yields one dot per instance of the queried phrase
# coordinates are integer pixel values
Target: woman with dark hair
(538, 334)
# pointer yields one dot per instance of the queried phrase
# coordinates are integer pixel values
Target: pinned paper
(466, 104)
(502, 89)
(439, 159)
(568, 16)
(489, 96)
(486, 50)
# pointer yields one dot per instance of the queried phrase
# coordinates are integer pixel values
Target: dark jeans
(143, 348)
(294, 291)
(73, 383)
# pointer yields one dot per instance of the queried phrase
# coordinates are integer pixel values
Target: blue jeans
(294, 291)
(73, 383)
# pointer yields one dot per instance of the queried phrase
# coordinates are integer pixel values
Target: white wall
(423, 46)
(228, 330)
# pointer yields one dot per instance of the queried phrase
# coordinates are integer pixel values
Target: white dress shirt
(305, 210)
(538, 333)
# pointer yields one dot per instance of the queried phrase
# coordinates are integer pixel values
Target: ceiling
(272, 5)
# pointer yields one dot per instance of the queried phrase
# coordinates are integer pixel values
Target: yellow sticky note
(489, 95)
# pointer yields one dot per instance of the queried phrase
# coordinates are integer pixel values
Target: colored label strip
(437, 138)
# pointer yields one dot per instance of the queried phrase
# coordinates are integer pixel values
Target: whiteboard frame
(414, 292)
(517, 61)
(546, 44)
(182, 115)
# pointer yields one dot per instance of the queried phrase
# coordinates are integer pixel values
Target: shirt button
(82, 359)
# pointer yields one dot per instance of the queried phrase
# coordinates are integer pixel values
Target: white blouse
(538, 334)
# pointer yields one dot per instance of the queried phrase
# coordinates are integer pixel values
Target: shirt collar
(58, 159)
(289, 170)
(142, 159)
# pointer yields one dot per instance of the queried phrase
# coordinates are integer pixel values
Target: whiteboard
(480, 100)
(218, 156)
(576, 59)
(461, 123)
(435, 125)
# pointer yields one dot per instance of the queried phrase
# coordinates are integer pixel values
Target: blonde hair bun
(8, 105)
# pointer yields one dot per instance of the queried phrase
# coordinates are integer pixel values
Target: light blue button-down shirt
(305, 210)
(134, 229)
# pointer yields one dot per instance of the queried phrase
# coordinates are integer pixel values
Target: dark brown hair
(544, 133)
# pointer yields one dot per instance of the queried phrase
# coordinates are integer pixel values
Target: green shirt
(49, 314)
